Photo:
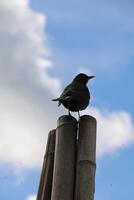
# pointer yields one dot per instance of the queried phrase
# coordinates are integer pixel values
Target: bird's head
(83, 78)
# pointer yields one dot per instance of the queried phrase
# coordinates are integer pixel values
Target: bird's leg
(69, 112)
(78, 123)
(79, 114)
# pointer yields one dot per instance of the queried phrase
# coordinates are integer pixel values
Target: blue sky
(44, 44)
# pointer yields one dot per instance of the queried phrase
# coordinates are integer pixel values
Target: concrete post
(45, 185)
(64, 164)
(86, 159)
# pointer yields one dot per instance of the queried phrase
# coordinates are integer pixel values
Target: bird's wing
(68, 92)
(74, 91)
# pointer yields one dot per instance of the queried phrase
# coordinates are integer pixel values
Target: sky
(44, 44)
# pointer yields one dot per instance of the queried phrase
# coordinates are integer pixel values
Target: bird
(76, 96)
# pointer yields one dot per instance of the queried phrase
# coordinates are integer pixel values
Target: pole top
(66, 119)
(88, 118)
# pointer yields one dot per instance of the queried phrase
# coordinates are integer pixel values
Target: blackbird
(76, 95)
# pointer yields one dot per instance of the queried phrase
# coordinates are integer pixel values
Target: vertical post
(64, 165)
(86, 159)
(45, 185)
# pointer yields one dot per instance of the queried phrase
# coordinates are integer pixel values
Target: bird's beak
(90, 77)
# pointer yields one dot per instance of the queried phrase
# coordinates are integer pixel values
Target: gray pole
(45, 185)
(86, 159)
(64, 164)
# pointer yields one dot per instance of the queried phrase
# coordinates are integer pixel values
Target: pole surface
(86, 159)
(45, 185)
(65, 157)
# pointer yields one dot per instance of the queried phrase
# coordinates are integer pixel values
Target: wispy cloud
(31, 197)
(85, 70)
(98, 35)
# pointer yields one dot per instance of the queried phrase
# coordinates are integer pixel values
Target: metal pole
(45, 185)
(86, 159)
(64, 165)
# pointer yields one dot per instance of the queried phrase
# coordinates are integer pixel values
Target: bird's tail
(58, 99)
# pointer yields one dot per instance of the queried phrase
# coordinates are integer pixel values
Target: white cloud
(26, 89)
(31, 197)
(115, 130)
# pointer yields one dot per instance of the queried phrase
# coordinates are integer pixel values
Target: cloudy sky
(44, 44)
